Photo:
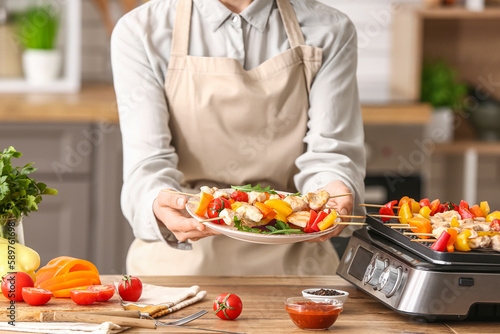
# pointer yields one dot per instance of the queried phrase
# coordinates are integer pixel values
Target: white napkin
(63, 328)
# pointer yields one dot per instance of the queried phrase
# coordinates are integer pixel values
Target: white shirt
(140, 51)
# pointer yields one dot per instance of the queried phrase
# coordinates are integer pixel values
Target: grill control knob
(373, 271)
(389, 280)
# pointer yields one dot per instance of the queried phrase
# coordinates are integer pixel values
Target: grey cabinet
(84, 162)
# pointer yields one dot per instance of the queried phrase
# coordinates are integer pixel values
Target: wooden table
(263, 308)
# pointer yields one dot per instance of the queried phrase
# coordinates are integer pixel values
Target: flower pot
(440, 128)
(11, 228)
(41, 66)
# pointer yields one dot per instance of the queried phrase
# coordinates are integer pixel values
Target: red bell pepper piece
(465, 213)
(464, 204)
(424, 202)
(386, 212)
(319, 218)
(312, 218)
(495, 225)
(435, 206)
(441, 242)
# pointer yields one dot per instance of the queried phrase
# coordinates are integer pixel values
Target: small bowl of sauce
(309, 314)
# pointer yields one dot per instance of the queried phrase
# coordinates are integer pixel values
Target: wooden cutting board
(25, 312)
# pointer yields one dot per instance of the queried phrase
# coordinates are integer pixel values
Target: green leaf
(248, 188)
(50, 191)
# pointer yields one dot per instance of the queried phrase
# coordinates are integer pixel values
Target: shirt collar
(257, 13)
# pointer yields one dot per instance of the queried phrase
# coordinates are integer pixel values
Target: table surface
(263, 308)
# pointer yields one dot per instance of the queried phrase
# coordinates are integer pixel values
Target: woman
(232, 92)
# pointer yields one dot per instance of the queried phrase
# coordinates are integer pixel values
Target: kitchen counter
(263, 308)
(96, 102)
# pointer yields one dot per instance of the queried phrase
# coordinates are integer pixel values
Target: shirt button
(236, 19)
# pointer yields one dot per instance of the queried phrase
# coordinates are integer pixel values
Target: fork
(176, 322)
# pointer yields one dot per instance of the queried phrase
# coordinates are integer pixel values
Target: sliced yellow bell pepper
(493, 215)
(425, 212)
(281, 217)
(462, 243)
(454, 222)
(414, 205)
(279, 206)
(24, 258)
(328, 221)
(236, 205)
(205, 199)
(485, 207)
(404, 213)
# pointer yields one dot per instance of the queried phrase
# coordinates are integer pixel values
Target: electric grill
(413, 279)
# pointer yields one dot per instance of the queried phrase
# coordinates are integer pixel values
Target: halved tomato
(84, 297)
(105, 291)
(36, 296)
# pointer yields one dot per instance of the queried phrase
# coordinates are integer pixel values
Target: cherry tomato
(130, 288)
(13, 283)
(239, 196)
(105, 291)
(84, 297)
(228, 306)
(215, 207)
(36, 296)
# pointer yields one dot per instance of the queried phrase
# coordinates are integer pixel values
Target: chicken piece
(437, 231)
(440, 224)
(255, 196)
(444, 217)
(495, 242)
(299, 218)
(470, 224)
(221, 193)
(317, 201)
(228, 216)
(250, 213)
(480, 242)
(208, 190)
(274, 196)
(296, 202)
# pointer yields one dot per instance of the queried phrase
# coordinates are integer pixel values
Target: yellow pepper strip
(425, 212)
(236, 205)
(328, 221)
(26, 259)
(493, 215)
(205, 199)
(462, 243)
(414, 205)
(489, 233)
(281, 217)
(422, 226)
(279, 206)
(485, 207)
(405, 213)
(454, 222)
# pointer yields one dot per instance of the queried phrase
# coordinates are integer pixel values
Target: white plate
(267, 239)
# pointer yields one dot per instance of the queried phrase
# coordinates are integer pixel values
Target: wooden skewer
(377, 206)
(179, 193)
(424, 240)
(350, 223)
(211, 219)
(424, 234)
(404, 227)
(340, 195)
(349, 216)
(383, 216)
(397, 224)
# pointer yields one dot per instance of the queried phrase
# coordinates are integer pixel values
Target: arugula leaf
(296, 194)
(282, 228)
(19, 194)
(244, 228)
(248, 188)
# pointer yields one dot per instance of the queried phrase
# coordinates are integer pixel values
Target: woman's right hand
(170, 209)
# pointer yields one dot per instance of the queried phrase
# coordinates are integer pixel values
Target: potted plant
(441, 88)
(38, 28)
(19, 195)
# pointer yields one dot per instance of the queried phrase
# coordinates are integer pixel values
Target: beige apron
(232, 126)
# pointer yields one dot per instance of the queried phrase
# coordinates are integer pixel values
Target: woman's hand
(343, 205)
(170, 209)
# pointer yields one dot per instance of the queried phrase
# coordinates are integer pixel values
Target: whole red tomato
(36, 296)
(13, 284)
(228, 306)
(130, 288)
(216, 206)
(239, 196)
(105, 291)
(84, 297)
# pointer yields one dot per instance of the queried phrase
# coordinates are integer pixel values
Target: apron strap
(291, 23)
(182, 25)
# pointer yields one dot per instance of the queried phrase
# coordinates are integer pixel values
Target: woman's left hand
(343, 205)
